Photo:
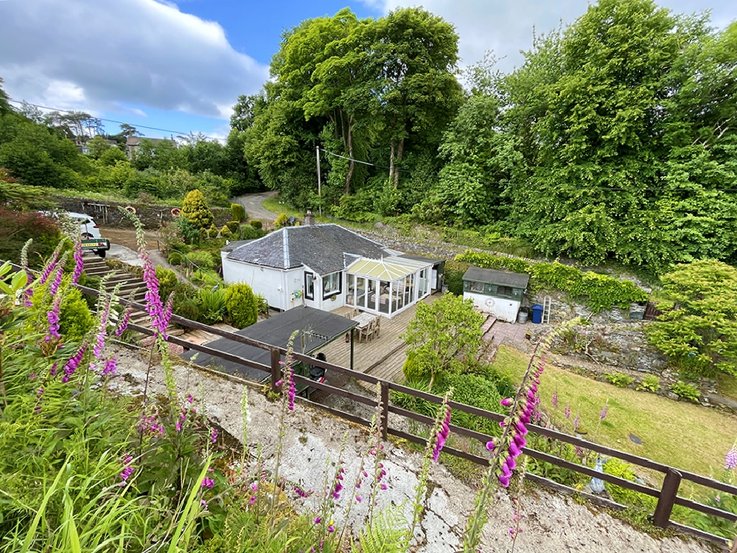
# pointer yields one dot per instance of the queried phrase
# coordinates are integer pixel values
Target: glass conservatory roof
(390, 268)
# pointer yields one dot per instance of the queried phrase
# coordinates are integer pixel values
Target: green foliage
(195, 210)
(444, 336)
(189, 232)
(238, 213)
(232, 226)
(241, 306)
(454, 271)
(686, 391)
(619, 379)
(175, 258)
(76, 320)
(200, 259)
(281, 220)
(700, 333)
(211, 304)
(562, 450)
(387, 533)
(250, 232)
(258, 225)
(650, 383)
(212, 232)
(597, 291)
(225, 231)
(167, 282)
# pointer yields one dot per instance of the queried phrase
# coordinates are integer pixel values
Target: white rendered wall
(502, 308)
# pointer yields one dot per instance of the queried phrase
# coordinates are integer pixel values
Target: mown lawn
(680, 434)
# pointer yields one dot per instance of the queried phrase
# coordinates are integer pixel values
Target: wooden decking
(382, 357)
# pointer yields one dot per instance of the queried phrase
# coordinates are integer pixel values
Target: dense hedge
(597, 291)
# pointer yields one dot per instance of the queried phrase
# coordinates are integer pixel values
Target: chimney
(309, 218)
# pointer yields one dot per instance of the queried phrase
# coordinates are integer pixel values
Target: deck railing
(666, 495)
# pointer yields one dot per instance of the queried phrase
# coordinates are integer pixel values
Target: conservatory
(387, 286)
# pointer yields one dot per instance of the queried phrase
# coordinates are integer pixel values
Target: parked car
(89, 231)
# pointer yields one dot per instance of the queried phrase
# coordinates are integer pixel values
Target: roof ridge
(285, 246)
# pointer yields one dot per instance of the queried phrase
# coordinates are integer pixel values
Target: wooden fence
(667, 495)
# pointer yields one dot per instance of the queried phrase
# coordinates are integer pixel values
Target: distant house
(133, 143)
(327, 267)
(499, 293)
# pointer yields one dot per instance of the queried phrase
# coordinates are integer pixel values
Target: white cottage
(327, 267)
(499, 293)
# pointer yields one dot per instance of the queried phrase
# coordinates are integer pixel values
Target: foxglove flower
(213, 435)
(292, 389)
(53, 317)
(54, 287)
(603, 413)
(71, 366)
(123, 323)
(128, 469)
(111, 366)
(101, 331)
(78, 262)
(442, 435)
(208, 483)
(730, 460)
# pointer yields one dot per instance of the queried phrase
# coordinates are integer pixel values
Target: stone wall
(107, 213)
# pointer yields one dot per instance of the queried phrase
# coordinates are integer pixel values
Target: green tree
(700, 332)
(444, 337)
(195, 210)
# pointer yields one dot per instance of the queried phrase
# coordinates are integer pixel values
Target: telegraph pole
(319, 186)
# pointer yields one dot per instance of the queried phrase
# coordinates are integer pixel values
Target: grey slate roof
(320, 247)
(502, 278)
(233, 244)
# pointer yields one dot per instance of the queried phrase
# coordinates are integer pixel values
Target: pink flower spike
(504, 481)
(490, 445)
(507, 402)
(730, 460)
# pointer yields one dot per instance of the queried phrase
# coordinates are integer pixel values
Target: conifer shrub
(196, 211)
(241, 306)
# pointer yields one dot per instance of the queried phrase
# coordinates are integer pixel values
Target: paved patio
(383, 356)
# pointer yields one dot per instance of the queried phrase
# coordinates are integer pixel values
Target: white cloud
(507, 26)
(92, 55)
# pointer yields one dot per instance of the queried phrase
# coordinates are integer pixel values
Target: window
(309, 286)
(331, 284)
(477, 287)
(504, 291)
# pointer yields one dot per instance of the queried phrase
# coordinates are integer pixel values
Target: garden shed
(499, 293)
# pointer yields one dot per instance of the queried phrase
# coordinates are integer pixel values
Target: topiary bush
(196, 211)
(238, 213)
(225, 232)
(232, 226)
(241, 306)
(282, 220)
(257, 224)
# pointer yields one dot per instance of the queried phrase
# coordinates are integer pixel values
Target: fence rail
(667, 494)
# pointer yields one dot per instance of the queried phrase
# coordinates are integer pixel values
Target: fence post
(384, 409)
(667, 498)
(275, 369)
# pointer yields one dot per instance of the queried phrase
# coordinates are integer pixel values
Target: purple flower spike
(123, 324)
(53, 317)
(504, 481)
(554, 399)
(291, 390)
(207, 483)
(78, 262)
(73, 363)
(111, 366)
(730, 460)
(507, 402)
(490, 445)
(54, 288)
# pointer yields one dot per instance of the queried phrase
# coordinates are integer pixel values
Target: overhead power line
(348, 158)
(180, 133)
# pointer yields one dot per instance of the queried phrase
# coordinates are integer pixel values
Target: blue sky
(181, 65)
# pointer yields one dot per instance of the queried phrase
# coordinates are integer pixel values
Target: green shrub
(241, 305)
(225, 231)
(206, 278)
(175, 258)
(212, 305)
(212, 232)
(232, 226)
(282, 220)
(17, 228)
(200, 259)
(262, 305)
(167, 282)
(620, 380)
(650, 383)
(189, 232)
(562, 450)
(257, 224)
(640, 506)
(76, 319)
(238, 213)
(249, 232)
(686, 391)
(454, 271)
(186, 303)
(597, 291)
(195, 210)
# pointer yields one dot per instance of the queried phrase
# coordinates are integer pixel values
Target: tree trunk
(391, 162)
(351, 163)
(397, 160)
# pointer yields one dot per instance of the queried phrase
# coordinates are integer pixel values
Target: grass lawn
(680, 434)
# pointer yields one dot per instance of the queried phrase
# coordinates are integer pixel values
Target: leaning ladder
(547, 304)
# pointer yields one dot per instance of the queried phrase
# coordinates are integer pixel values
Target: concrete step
(130, 285)
(97, 271)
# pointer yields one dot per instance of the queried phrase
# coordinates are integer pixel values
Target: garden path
(551, 523)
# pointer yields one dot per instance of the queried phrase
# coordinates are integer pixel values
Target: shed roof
(316, 328)
(322, 247)
(502, 278)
